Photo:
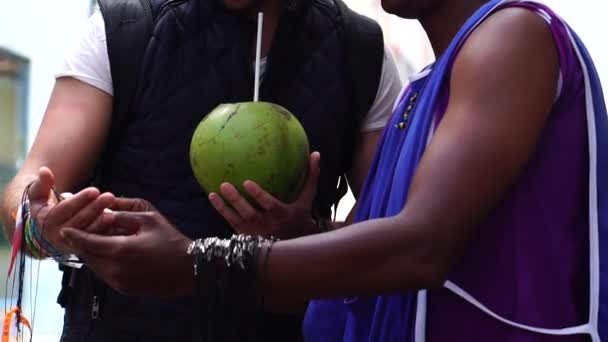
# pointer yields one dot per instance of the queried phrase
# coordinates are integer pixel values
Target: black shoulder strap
(364, 45)
(365, 55)
(128, 25)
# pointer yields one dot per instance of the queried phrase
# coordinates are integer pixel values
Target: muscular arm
(501, 94)
(69, 141)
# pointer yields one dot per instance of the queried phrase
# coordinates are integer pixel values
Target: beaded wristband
(37, 245)
(46, 247)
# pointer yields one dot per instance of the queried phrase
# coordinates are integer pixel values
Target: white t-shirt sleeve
(388, 90)
(87, 59)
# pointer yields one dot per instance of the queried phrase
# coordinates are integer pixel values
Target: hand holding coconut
(272, 217)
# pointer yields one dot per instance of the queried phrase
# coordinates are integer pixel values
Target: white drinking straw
(258, 51)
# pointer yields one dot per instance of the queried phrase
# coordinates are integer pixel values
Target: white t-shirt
(87, 60)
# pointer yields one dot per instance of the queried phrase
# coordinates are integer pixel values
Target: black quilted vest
(200, 55)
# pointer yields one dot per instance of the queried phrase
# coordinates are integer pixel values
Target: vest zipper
(95, 308)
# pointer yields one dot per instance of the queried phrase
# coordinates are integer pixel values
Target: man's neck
(443, 24)
(272, 14)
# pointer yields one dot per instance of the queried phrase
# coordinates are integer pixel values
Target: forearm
(11, 199)
(379, 256)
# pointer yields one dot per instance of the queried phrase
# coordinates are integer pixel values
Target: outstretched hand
(84, 210)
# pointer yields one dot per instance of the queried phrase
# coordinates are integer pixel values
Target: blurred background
(34, 34)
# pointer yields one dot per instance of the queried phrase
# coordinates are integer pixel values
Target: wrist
(41, 241)
(303, 228)
(53, 237)
(220, 266)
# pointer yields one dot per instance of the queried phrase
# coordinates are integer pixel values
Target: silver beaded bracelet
(234, 251)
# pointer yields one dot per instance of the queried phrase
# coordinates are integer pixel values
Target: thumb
(41, 187)
(310, 186)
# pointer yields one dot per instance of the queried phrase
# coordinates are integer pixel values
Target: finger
(239, 203)
(228, 213)
(102, 224)
(41, 187)
(68, 208)
(87, 244)
(309, 191)
(264, 199)
(106, 224)
(131, 204)
(129, 220)
(90, 212)
(120, 231)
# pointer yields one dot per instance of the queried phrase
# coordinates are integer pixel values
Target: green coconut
(257, 141)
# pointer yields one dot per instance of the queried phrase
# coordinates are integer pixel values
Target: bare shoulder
(508, 64)
(517, 22)
(510, 37)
